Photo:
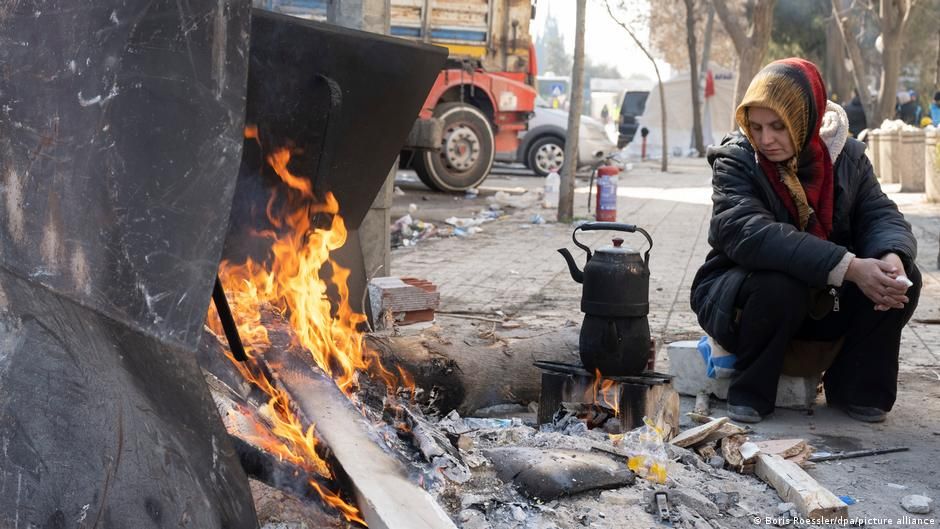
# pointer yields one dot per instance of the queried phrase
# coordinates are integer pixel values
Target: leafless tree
(693, 76)
(892, 18)
(664, 166)
(566, 191)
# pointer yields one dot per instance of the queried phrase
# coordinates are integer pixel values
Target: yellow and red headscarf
(794, 89)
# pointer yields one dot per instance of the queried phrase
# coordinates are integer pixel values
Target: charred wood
(475, 369)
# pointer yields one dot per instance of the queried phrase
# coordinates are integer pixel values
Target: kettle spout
(576, 273)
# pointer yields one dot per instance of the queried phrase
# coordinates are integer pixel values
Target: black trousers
(775, 309)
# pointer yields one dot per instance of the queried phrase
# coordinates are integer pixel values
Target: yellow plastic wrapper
(647, 451)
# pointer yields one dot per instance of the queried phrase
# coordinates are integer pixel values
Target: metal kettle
(615, 336)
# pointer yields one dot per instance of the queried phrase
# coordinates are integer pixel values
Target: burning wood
(312, 399)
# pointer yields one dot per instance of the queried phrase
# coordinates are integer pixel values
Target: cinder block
(688, 367)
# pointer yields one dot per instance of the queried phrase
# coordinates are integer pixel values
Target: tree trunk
(749, 63)
(887, 90)
(894, 15)
(936, 74)
(750, 38)
(707, 44)
(847, 32)
(837, 77)
(566, 194)
(664, 163)
(664, 166)
(693, 77)
(468, 377)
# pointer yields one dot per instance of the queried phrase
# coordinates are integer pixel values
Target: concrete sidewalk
(513, 267)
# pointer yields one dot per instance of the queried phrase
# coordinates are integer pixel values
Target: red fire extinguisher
(606, 210)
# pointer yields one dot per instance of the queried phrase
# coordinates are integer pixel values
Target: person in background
(856, 114)
(935, 109)
(605, 115)
(804, 244)
(908, 109)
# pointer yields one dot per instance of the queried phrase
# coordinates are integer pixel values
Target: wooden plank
(782, 447)
(696, 435)
(384, 494)
(731, 451)
(794, 485)
(727, 430)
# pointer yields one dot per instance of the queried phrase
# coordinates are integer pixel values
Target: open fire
(292, 283)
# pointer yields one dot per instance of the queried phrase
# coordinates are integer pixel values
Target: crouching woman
(804, 244)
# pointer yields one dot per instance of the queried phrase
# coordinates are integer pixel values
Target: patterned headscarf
(794, 89)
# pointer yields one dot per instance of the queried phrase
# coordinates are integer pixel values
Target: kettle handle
(612, 226)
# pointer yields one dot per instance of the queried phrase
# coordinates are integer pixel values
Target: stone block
(931, 166)
(912, 163)
(888, 156)
(688, 368)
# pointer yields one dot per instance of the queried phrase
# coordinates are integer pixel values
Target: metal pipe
(857, 453)
(228, 322)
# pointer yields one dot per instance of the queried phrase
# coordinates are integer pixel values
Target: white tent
(716, 115)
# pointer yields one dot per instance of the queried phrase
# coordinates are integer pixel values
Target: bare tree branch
(735, 31)
(855, 55)
(662, 96)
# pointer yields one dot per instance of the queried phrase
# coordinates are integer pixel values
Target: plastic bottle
(552, 188)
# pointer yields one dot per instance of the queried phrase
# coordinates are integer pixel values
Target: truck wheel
(467, 150)
(545, 154)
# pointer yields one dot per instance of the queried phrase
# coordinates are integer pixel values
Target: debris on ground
(407, 231)
(917, 504)
(526, 200)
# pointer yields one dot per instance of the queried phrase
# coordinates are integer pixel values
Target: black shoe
(744, 414)
(865, 413)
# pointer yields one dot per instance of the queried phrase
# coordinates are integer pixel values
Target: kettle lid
(617, 248)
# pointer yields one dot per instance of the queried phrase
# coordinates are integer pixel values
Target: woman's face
(770, 133)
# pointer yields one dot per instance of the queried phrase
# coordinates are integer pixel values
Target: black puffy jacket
(751, 229)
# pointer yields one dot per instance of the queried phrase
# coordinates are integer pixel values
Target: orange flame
(290, 282)
(609, 392)
(407, 382)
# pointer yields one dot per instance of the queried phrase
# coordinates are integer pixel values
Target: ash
(465, 481)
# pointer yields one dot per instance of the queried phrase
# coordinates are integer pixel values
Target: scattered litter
(471, 193)
(475, 423)
(398, 192)
(896, 486)
(406, 231)
(647, 453)
(524, 201)
(848, 500)
(463, 222)
(537, 219)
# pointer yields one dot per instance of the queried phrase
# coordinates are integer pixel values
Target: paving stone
(688, 366)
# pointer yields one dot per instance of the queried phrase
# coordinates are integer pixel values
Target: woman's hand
(877, 279)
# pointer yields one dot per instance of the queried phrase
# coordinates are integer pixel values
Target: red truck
(484, 98)
(480, 101)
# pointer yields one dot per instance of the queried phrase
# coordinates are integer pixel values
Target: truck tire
(545, 153)
(467, 150)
